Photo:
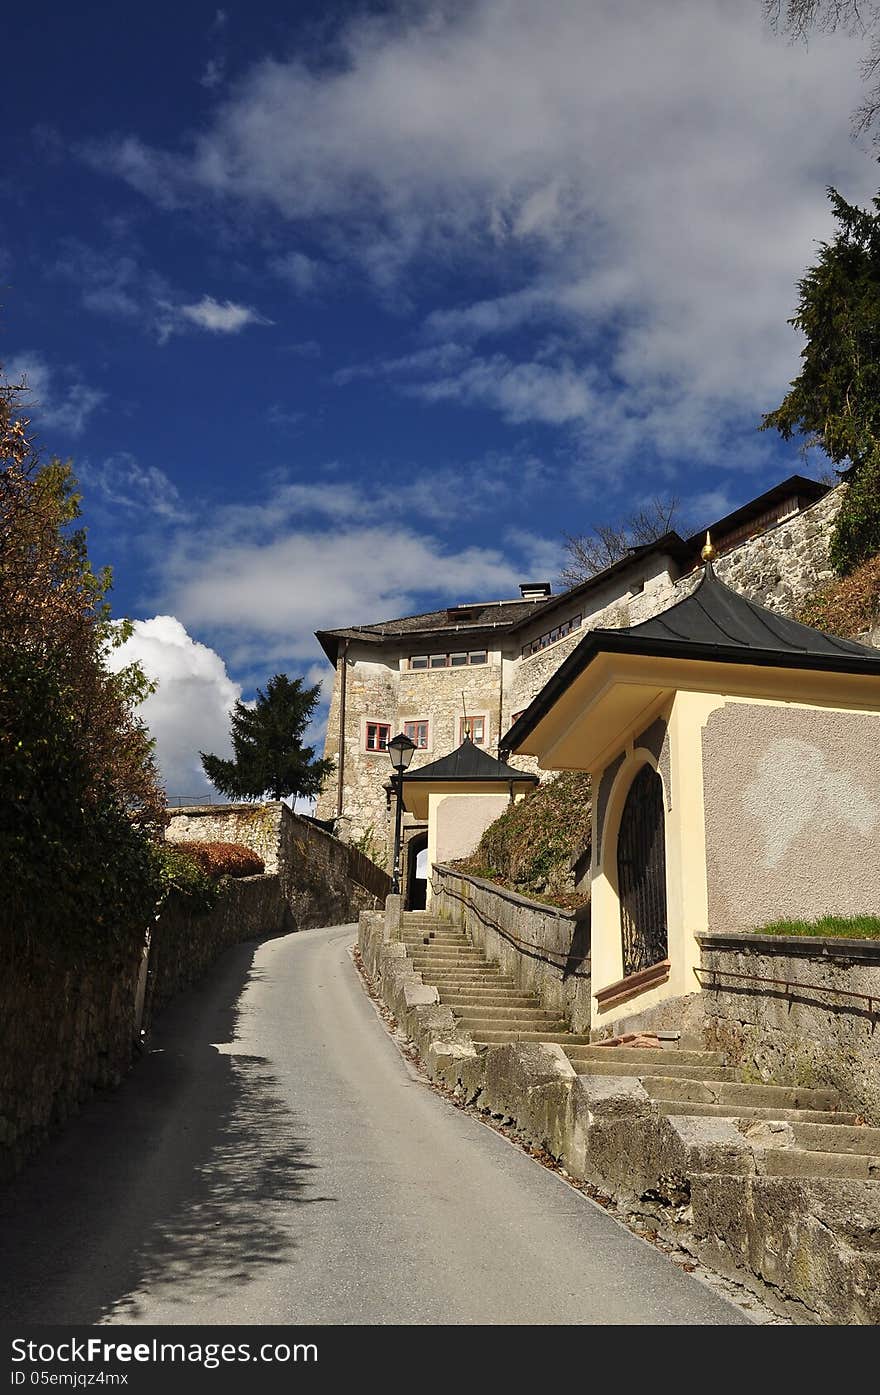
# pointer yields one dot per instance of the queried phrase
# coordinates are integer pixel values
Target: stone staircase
(791, 1131)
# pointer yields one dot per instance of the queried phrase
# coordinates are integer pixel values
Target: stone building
(478, 665)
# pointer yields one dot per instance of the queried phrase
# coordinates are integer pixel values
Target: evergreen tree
(269, 757)
(834, 402)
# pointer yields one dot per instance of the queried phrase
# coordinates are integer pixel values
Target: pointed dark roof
(714, 623)
(715, 614)
(468, 764)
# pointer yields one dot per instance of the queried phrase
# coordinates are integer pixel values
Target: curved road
(272, 1160)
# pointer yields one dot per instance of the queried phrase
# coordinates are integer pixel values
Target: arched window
(641, 873)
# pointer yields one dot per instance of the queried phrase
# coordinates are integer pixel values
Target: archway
(417, 872)
(641, 873)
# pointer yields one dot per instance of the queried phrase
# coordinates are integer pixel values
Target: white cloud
(118, 284)
(647, 180)
(57, 398)
(263, 597)
(221, 317)
(304, 274)
(189, 712)
(121, 480)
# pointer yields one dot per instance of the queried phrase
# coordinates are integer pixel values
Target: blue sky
(344, 311)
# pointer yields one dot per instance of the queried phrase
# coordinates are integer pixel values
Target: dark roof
(713, 623)
(687, 551)
(481, 616)
(798, 487)
(468, 763)
(512, 615)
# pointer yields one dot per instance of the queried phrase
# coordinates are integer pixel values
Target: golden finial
(708, 554)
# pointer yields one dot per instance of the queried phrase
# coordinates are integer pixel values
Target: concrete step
(835, 1138)
(430, 942)
(491, 1011)
(651, 1054)
(494, 1037)
(695, 1073)
(745, 1114)
(490, 977)
(442, 958)
(487, 997)
(734, 1093)
(810, 1162)
(478, 1024)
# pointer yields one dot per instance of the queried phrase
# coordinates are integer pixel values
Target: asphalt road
(272, 1160)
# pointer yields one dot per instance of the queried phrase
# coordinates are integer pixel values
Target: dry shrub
(848, 606)
(224, 859)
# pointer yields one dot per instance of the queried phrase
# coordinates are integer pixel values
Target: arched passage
(417, 872)
(641, 873)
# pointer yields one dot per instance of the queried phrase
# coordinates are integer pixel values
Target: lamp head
(400, 750)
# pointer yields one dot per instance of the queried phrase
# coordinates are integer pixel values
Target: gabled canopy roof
(468, 765)
(714, 624)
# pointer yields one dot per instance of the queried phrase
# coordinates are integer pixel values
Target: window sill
(633, 986)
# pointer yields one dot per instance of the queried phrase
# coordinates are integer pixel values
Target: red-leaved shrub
(224, 859)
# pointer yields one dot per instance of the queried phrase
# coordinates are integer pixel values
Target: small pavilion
(460, 795)
(735, 763)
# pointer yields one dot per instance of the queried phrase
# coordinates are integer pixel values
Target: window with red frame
(477, 727)
(378, 736)
(417, 732)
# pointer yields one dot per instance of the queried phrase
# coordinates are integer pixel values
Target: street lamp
(400, 749)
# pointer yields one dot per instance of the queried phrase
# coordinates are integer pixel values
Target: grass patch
(535, 845)
(857, 927)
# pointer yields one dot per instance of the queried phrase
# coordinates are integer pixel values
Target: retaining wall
(546, 950)
(320, 875)
(816, 1022)
(69, 1028)
(185, 943)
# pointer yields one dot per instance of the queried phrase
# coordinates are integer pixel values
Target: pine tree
(834, 402)
(269, 757)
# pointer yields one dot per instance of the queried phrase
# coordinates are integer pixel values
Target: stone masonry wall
(545, 950)
(65, 1030)
(184, 943)
(254, 826)
(312, 865)
(809, 1033)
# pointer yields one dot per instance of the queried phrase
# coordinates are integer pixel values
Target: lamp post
(400, 749)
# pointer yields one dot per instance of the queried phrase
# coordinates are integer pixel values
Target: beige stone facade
(776, 566)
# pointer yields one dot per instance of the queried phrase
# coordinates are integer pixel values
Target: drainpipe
(500, 700)
(340, 761)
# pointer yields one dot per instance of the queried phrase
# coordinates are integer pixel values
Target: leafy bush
(847, 606)
(856, 535)
(176, 870)
(533, 846)
(223, 859)
(79, 797)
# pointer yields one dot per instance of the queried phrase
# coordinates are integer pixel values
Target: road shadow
(181, 1184)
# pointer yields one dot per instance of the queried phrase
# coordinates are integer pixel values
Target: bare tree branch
(607, 543)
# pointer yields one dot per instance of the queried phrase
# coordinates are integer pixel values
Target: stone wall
(254, 826)
(185, 943)
(66, 1029)
(804, 1028)
(545, 950)
(315, 869)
